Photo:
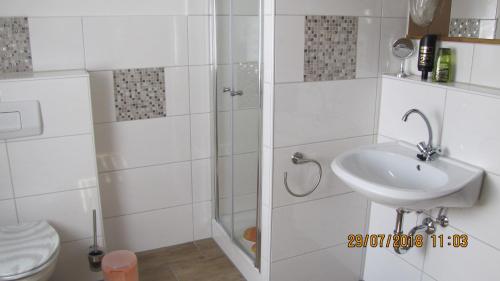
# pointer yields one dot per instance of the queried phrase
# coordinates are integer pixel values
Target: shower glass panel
(237, 50)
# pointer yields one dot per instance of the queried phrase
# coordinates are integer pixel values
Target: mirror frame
(460, 39)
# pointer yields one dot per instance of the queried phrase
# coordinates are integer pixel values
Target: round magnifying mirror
(403, 49)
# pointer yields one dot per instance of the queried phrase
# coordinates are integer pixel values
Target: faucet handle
(422, 147)
(436, 151)
(428, 154)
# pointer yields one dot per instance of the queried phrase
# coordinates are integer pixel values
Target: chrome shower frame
(214, 129)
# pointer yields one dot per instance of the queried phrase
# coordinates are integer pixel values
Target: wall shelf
(456, 86)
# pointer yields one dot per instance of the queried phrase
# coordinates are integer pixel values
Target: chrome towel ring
(299, 159)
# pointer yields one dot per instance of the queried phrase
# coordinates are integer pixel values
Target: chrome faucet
(427, 151)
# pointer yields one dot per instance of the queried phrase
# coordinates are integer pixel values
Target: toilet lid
(26, 247)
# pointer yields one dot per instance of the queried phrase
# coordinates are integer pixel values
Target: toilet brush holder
(95, 255)
(95, 259)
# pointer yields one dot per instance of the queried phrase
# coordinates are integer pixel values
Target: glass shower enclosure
(237, 51)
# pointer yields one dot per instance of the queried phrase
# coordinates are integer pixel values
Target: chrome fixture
(442, 219)
(428, 152)
(224, 51)
(95, 255)
(299, 159)
(422, 12)
(403, 49)
(233, 93)
(428, 226)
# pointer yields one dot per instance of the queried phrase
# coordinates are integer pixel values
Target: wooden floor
(201, 260)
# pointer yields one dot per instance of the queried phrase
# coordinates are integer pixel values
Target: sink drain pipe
(428, 226)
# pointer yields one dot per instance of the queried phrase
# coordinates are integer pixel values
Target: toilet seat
(26, 249)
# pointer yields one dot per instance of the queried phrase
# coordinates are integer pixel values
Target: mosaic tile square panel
(139, 93)
(330, 48)
(468, 28)
(15, 50)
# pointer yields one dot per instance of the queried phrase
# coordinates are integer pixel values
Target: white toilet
(28, 252)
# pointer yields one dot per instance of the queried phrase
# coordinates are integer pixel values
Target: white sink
(392, 175)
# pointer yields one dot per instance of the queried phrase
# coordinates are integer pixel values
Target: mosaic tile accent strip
(15, 50)
(468, 28)
(139, 93)
(330, 48)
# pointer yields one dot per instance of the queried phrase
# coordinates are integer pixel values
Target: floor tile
(164, 256)
(207, 269)
(209, 248)
(201, 260)
(156, 274)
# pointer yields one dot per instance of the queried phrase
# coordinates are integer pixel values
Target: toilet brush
(95, 255)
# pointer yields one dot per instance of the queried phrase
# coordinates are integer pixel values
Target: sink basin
(391, 174)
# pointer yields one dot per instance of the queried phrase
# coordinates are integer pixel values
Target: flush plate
(10, 121)
(20, 119)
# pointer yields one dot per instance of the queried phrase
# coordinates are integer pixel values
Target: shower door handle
(237, 93)
(233, 93)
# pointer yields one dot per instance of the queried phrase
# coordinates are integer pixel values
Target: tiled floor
(200, 260)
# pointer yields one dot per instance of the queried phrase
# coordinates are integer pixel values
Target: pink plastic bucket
(120, 266)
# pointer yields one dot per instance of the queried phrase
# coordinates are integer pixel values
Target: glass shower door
(238, 118)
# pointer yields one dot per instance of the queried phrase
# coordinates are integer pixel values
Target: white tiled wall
(481, 9)
(55, 208)
(155, 174)
(382, 264)
(53, 8)
(466, 118)
(135, 42)
(57, 43)
(306, 112)
(401, 97)
(485, 59)
(369, 36)
(335, 263)
(199, 41)
(330, 7)
(200, 88)
(122, 196)
(149, 230)
(152, 170)
(320, 119)
(46, 159)
(134, 149)
(289, 44)
(53, 176)
(302, 228)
